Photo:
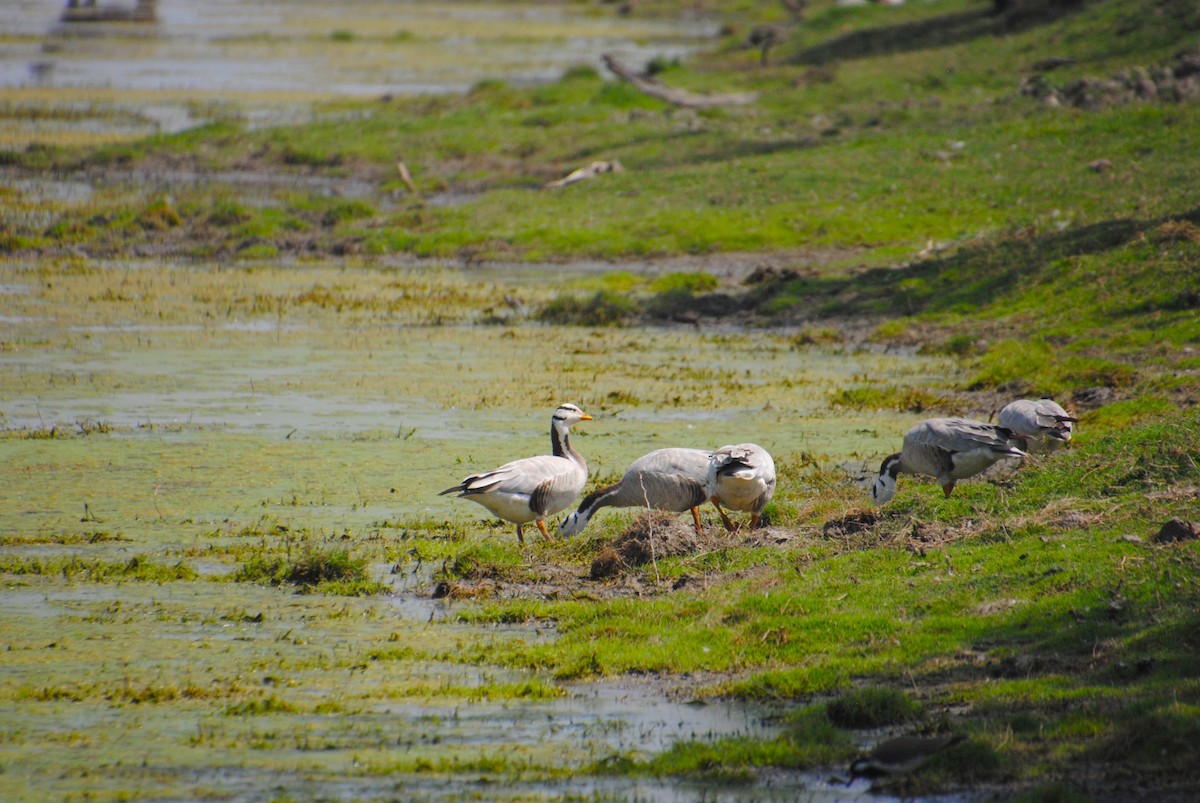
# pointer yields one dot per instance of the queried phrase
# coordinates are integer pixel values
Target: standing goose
(1041, 425)
(665, 479)
(741, 477)
(532, 488)
(948, 449)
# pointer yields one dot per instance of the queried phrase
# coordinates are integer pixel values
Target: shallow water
(254, 364)
(233, 412)
(267, 62)
(73, 713)
(230, 409)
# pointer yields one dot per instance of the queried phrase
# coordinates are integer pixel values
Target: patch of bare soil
(651, 536)
(854, 522)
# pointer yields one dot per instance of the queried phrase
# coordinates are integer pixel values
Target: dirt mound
(856, 521)
(653, 535)
(1176, 530)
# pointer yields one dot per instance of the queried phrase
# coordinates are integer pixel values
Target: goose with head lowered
(1041, 425)
(947, 449)
(741, 477)
(532, 488)
(900, 756)
(665, 479)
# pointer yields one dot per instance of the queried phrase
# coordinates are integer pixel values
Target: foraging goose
(948, 449)
(740, 477)
(665, 479)
(533, 488)
(900, 756)
(1041, 425)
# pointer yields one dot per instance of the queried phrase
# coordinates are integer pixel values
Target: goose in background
(947, 449)
(740, 477)
(532, 488)
(665, 479)
(1040, 426)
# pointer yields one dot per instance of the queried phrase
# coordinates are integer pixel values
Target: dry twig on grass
(678, 97)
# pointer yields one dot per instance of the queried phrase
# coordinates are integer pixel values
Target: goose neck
(560, 442)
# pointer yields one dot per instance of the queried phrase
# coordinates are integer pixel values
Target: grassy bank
(1038, 613)
(858, 148)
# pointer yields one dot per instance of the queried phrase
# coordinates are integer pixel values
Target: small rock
(1099, 165)
(1176, 530)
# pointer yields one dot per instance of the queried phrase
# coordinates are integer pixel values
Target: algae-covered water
(368, 389)
(165, 428)
(167, 425)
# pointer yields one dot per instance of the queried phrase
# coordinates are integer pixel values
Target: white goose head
(569, 414)
(884, 487)
(560, 432)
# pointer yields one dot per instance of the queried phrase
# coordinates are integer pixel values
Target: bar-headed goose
(740, 477)
(948, 449)
(1041, 425)
(532, 488)
(900, 756)
(665, 479)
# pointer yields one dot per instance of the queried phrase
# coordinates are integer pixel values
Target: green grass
(905, 145)
(1022, 598)
(332, 572)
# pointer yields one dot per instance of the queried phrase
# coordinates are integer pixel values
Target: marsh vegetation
(238, 361)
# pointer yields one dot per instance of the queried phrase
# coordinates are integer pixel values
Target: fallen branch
(679, 97)
(591, 171)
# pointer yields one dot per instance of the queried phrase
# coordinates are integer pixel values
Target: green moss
(342, 211)
(159, 215)
(604, 308)
(96, 571)
(228, 213)
(260, 707)
(1165, 738)
(891, 397)
(872, 707)
(334, 572)
(810, 740)
(689, 283)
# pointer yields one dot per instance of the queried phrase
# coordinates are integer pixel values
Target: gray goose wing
(955, 435)
(524, 476)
